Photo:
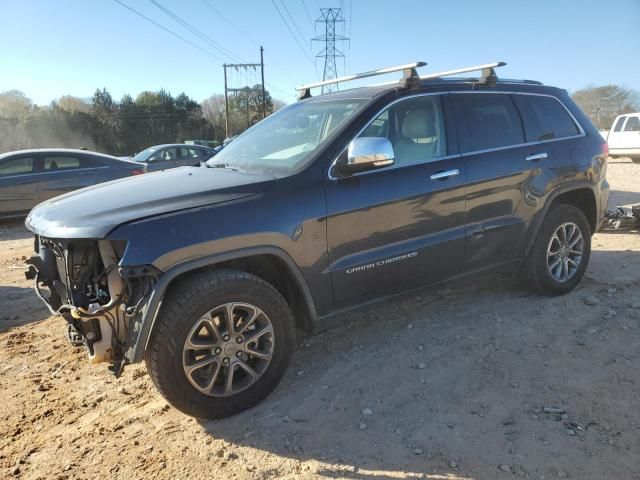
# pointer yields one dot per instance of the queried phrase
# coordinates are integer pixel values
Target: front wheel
(561, 251)
(221, 344)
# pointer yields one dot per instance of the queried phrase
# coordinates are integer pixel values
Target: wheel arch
(581, 196)
(268, 263)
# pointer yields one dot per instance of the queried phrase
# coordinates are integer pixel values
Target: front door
(401, 226)
(630, 136)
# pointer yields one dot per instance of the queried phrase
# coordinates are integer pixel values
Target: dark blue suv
(330, 203)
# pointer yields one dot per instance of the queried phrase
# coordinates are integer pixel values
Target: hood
(94, 211)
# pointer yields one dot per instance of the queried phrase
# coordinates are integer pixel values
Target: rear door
(398, 227)
(513, 146)
(188, 157)
(18, 184)
(65, 172)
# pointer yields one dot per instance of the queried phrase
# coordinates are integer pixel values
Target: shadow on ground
(446, 382)
(13, 230)
(19, 306)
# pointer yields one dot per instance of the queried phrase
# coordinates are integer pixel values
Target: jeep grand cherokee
(330, 203)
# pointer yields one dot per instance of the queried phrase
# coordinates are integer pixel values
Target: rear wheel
(561, 251)
(222, 342)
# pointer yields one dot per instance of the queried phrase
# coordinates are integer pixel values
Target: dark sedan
(28, 177)
(163, 157)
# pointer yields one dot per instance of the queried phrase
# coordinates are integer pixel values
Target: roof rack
(410, 76)
(487, 77)
(487, 69)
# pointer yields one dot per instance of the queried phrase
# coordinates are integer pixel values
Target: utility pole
(264, 98)
(329, 17)
(226, 104)
(235, 91)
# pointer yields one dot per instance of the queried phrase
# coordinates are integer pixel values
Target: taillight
(604, 148)
(137, 172)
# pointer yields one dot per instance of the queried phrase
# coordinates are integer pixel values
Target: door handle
(536, 156)
(445, 174)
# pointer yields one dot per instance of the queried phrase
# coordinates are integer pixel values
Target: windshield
(285, 141)
(144, 155)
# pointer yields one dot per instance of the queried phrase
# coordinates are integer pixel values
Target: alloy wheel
(564, 252)
(228, 349)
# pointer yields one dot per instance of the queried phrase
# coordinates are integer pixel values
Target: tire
(186, 308)
(537, 272)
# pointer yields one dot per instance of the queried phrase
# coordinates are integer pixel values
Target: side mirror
(367, 153)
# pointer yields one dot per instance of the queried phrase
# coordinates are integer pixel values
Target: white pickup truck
(624, 137)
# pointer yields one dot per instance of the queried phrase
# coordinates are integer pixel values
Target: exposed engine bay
(97, 298)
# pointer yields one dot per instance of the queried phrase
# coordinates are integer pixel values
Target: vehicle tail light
(604, 148)
(137, 172)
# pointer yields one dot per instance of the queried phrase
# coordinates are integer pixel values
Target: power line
(292, 20)
(169, 31)
(304, 51)
(196, 32)
(230, 22)
(307, 12)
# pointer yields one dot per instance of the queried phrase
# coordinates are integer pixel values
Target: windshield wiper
(225, 165)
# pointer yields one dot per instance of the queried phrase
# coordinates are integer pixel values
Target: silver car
(28, 177)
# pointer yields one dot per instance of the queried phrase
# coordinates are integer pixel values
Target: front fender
(140, 331)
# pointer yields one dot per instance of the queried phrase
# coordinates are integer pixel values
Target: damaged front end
(98, 298)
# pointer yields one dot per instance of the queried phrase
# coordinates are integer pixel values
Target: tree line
(126, 126)
(129, 125)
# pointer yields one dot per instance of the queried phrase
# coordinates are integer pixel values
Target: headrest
(418, 123)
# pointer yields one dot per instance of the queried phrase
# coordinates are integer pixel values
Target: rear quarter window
(490, 121)
(545, 118)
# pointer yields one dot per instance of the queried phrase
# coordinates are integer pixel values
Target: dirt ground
(448, 383)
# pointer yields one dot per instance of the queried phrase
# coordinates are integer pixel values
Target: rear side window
(633, 125)
(545, 118)
(16, 166)
(618, 126)
(66, 162)
(490, 120)
(189, 152)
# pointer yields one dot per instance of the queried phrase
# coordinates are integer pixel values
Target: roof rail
(410, 77)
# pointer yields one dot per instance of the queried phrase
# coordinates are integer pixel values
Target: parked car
(163, 157)
(28, 177)
(624, 137)
(325, 206)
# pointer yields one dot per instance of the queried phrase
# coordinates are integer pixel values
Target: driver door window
(415, 128)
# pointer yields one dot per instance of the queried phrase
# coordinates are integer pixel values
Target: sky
(71, 47)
